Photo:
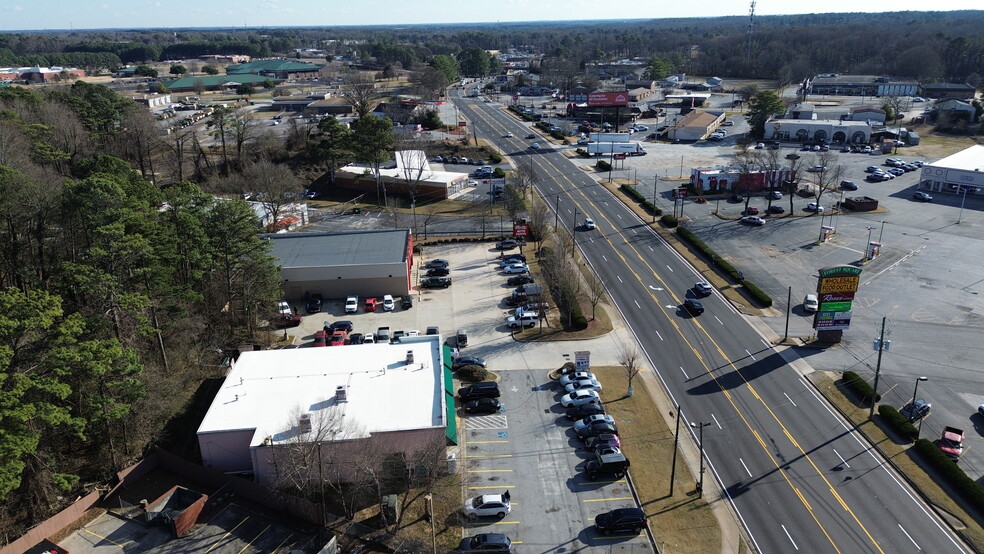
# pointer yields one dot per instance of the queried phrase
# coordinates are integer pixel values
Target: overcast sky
(130, 14)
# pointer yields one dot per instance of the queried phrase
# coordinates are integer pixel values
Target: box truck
(630, 148)
(610, 137)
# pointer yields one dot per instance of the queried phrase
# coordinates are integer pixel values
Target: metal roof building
(336, 265)
(344, 400)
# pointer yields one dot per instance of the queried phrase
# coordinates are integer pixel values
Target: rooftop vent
(409, 357)
(304, 423)
(341, 394)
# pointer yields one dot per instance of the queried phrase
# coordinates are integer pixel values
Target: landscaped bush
(495, 158)
(757, 293)
(498, 172)
(637, 196)
(472, 373)
(670, 221)
(602, 165)
(897, 421)
(951, 474)
(854, 382)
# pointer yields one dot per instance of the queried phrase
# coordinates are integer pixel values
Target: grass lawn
(682, 522)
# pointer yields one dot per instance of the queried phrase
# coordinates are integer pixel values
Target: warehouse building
(960, 173)
(862, 85)
(280, 410)
(336, 265)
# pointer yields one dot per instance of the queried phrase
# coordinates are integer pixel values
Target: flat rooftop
(266, 391)
(970, 159)
(296, 250)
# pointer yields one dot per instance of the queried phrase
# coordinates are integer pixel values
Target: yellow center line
(708, 369)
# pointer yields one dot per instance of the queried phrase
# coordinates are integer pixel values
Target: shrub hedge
(897, 421)
(495, 158)
(757, 293)
(602, 165)
(950, 473)
(638, 197)
(472, 373)
(860, 387)
(670, 221)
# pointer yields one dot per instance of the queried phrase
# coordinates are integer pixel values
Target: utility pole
(789, 301)
(881, 348)
(676, 443)
(700, 439)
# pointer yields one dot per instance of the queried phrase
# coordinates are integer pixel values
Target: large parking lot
(529, 448)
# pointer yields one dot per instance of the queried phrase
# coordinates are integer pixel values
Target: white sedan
(351, 304)
(388, 303)
(576, 376)
(592, 419)
(487, 505)
(590, 384)
(516, 269)
(580, 398)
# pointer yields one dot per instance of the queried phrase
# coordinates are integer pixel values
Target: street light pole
(574, 234)
(700, 439)
(881, 231)
(960, 214)
(867, 245)
(919, 429)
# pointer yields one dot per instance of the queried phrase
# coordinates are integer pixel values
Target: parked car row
(459, 160)
(315, 303)
(437, 275)
(341, 333)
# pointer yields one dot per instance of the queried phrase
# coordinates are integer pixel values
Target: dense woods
(115, 295)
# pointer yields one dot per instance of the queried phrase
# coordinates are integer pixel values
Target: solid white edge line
(684, 373)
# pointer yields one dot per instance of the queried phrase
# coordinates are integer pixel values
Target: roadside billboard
(608, 99)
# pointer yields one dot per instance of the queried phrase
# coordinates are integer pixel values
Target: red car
(320, 339)
(338, 338)
(752, 210)
(370, 305)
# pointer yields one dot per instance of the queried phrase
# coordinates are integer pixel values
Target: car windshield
(477, 502)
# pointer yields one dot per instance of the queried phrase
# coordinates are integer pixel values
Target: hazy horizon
(180, 14)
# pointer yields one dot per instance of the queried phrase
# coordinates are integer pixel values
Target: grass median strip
(682, 522)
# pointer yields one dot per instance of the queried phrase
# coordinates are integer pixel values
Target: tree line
(116, 293)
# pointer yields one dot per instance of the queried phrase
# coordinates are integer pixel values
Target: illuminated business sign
(835, 306)
(608, 99)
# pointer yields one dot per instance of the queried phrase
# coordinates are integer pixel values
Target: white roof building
(960, 173)
(393, 395)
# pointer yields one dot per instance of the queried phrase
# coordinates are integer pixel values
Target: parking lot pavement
(530, 450)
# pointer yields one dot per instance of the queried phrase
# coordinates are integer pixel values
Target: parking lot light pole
(700, 439)
(867, 245)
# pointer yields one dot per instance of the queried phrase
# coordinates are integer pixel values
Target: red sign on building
(608, 99)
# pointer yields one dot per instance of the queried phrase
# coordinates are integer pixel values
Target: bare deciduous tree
(361, 92)
(539, 221)
(597, 293)
(630, 359)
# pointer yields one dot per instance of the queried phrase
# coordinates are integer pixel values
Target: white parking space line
(790, 537)
(744, 466)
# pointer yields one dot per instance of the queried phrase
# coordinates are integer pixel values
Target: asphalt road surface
(799, 479)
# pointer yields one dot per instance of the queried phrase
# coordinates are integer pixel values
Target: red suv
(370, 305)
(751, 210)
(320, 339)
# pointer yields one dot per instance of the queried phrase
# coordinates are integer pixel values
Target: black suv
(614, 464)
(484, 389)
(622, 519)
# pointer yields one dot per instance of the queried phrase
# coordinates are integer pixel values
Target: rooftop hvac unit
(409, 357)
(341, 395)
(304, 423)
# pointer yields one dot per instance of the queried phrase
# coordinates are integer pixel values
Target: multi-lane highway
(797, 476)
